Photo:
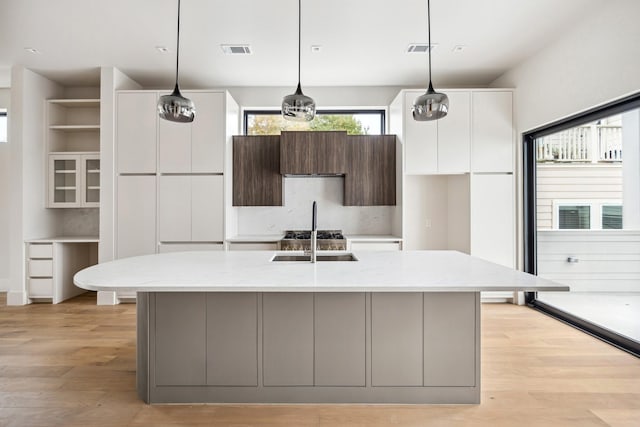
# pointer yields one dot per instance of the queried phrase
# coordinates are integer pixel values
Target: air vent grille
(420, 47)
(236, 49)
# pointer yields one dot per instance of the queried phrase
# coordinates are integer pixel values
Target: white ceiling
(363, 41)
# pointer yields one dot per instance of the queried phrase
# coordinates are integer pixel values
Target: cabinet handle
(572, 260)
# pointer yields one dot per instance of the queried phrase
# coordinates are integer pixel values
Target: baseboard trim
(17, 298)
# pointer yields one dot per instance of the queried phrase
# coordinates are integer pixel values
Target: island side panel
(340, 339)
(287, 339)
(396, 339)
(180, 338)
(232, 339)
(142, 346)
(450, 339)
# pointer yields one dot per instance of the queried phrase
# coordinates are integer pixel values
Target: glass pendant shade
(430, 106)
(176, 108)
(298, 107)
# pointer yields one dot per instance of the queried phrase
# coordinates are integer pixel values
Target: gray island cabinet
(392, 327)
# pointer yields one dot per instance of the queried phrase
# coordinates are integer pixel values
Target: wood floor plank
(73, 364)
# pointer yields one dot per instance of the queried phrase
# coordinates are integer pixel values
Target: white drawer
(40, 250)
(40, 268)
(40, 288)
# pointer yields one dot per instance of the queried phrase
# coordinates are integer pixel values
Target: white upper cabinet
(454, 135)
(137, 118)
(492, 130)
(420, 140)
(208, 133)
(440, 146)
(196, 147)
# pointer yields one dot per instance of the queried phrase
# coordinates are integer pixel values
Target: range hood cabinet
(321, 153)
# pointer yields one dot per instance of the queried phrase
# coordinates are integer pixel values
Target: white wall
(5, 95)
(5, 77)
(594, 62)
(325, 97)
(299, 194)
(28, 216)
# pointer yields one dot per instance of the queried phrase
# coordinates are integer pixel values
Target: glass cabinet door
(63, 187)
(91, 181)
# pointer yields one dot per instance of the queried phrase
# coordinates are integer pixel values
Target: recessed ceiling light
(236, 49)
(162, 49)
(420, 47)
(32, 50)
(458, 48)
(316, 48)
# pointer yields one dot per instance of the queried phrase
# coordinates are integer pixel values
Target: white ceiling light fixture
(175, 107)
(432, 105)
(297, 106)
(162, 49)
(32, 50)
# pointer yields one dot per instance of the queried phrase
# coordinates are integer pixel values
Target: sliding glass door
(582, 192)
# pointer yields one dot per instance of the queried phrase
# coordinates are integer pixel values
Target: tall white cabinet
(171, 176)
(458, 183)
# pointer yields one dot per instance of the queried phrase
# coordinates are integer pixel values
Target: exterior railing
(596, 143)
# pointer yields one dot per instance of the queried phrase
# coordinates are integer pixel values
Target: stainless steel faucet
(314, 233)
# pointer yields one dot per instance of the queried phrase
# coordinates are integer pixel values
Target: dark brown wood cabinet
(256, 171)
(371, 170)
(311, 153)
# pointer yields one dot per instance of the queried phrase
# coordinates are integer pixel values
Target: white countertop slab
(65, 239)
(255, 238)
(372, 238)
(253, 271)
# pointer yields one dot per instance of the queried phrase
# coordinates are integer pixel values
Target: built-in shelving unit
(73, 145)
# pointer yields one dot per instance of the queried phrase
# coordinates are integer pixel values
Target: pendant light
(297, 106)
(175, 107)
(432, 105)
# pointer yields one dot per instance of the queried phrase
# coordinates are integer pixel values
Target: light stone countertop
(253, 271)
(372, 238)
(65, 239)
(255, 238)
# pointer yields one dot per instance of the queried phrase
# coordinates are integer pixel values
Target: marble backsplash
(299, 194)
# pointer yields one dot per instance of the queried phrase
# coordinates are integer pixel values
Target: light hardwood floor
(73, 364)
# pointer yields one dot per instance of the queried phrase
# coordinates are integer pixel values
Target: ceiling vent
(420, 47)
(236, 49)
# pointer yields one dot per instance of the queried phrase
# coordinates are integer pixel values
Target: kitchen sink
(319, 257)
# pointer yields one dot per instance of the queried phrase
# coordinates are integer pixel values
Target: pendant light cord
(299, 37)
(178, 44)
(429, 35)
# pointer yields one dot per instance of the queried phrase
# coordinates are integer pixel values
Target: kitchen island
(391, 327)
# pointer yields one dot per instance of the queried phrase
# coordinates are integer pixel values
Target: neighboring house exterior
(583, 239)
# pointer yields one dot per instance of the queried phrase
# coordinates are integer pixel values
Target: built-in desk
(51, 263)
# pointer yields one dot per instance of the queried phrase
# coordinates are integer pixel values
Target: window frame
(595, 212)
(346, 111)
